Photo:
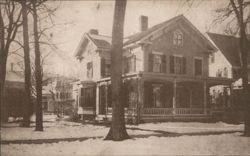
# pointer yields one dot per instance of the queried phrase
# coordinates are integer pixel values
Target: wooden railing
(157, 111)
(183, 111)
(171, 111)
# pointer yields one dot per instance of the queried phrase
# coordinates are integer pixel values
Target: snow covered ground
(170, 138)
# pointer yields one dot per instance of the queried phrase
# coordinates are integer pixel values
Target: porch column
(174, 96)
(140, 98)
(97, 100)
(106, 98)
(231, 96)
(205, 96)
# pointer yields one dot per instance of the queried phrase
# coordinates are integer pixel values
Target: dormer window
(178, 38)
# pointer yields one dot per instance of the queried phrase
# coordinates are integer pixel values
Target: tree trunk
(117, 130)
(27, 108)
(38, 74)
(244, 56)
(3, 60)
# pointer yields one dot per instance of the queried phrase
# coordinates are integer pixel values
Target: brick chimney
(93, 31)
(143, 25)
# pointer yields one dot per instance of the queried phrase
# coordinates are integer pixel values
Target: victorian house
(165, 72)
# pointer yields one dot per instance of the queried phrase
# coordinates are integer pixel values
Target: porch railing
(184, 111)
(157, 111)
(171, 111)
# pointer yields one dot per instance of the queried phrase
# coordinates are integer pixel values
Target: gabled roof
(100, 41)
(104, 42)
(229, 47)
(140, 35)
(144, 34)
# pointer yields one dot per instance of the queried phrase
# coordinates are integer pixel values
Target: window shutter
(184, 66)
(171, 64)
(103, 65)
(163, 66)
(150, 62)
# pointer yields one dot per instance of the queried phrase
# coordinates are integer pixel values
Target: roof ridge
(226, 35)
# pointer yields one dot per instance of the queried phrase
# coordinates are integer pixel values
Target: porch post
(97, 99)
(205, 97)
(140, 96)
(106, 98)
(174, 96)
(231, 96)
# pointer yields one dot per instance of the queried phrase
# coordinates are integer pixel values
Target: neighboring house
(58, 95)
(226, 61)
(64, 96)
(165, 72)
(14, 93)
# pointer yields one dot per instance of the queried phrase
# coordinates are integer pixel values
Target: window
(225, 73)
(197, 66)
(157, 63)
(177, 65)
(178, 38)
(130, 64)
(105, 68)
(89, 70)
(212, 58)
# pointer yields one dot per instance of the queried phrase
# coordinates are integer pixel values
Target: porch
(147, 97)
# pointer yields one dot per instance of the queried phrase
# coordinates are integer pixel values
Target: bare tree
(117, 130)
(236, 15)
(27, 108)
(9, 26)
(38, 72)
(238, 9)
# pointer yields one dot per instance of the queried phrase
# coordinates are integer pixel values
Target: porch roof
(213, 81)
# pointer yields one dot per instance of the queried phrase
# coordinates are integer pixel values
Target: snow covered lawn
(170, 138)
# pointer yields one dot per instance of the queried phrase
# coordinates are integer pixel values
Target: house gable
(158, 30)
(165, 41)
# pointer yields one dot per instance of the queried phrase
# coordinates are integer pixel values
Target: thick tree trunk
(243, 49)
(38, 74)
(117, 131)
(244, 56)
(27, 108)
(3, 61)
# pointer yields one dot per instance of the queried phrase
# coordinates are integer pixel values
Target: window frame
(160, 63)
(201, 59)
(178, 38)
(87, 65)
(183, 67)
(131, 67)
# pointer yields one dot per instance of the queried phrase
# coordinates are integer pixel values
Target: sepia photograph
(124, 77)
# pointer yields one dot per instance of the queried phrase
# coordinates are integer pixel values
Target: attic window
(178, 38)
